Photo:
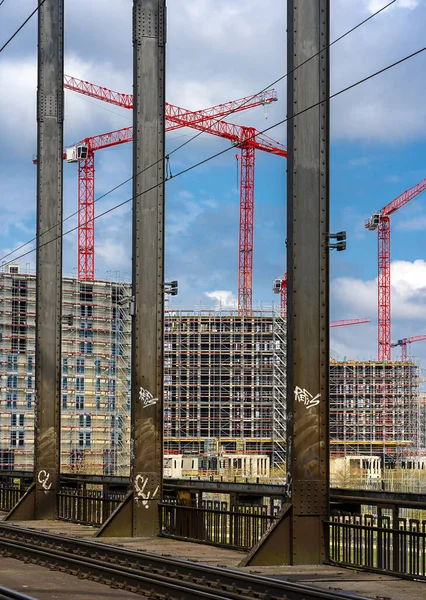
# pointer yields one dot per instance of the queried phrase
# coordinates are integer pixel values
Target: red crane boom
(381, 221)
(405, 341)
(246, 138)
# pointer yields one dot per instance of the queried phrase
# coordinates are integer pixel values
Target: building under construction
(375, 409)
(95, 399)
(224, 385)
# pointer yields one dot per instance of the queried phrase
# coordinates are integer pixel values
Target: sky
(220, 50)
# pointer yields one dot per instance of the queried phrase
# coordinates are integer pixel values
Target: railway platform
(328, 578)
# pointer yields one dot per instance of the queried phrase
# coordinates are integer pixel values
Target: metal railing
(377, 544)
(213, 523)
(10, 496)
(88, 507)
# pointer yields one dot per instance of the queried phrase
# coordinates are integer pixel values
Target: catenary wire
(21, 26)
(194, 137)
(217, 154)
(216, 121)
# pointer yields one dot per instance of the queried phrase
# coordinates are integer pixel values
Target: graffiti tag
(147, 398)
(43, 478)
(140, 494)
(302, 395)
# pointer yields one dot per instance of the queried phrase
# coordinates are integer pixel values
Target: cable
(295, 68)
(217, 120)
(22, 26)
(221, 118)
(1, 2)
(213, 156)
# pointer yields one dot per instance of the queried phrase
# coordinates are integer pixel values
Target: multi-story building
(224, 385)
(95, 399)
(375, 409)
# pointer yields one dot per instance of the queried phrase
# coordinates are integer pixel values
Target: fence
(10, 495)
(88, 507)
(211, 522)
(376, 543)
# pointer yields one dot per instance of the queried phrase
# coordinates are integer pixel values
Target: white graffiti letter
(140, 494)
(146, 398)
(302, 395)
(43, 478)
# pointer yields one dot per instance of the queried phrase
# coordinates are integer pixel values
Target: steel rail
(8, 594)
(146, 572)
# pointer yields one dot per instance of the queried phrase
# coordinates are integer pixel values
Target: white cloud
(223, 299)
(375, 5)
(408, 285)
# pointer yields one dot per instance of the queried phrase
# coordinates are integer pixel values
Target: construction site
(224, 388)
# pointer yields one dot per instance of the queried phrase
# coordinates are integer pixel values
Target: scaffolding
(95, 391)
(375, 409)
(219, 382)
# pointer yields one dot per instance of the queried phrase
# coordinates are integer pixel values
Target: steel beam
(308, 278)
(50, 109)
(149, 39)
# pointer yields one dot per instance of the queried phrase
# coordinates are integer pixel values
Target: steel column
(86, 214)
(384, 290)
(308, 278)
(50, 109)
(149, 39)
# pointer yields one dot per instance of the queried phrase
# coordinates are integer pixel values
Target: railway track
(153, 576)
(7, 594)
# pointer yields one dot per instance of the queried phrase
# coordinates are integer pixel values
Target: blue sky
(220, 50)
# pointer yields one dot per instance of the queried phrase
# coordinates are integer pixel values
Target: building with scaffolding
(375, 410)
(224, 384)
(95, 399)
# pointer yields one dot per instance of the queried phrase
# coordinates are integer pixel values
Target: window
(29, 400)
(64, 383)
(98, 384)
(11, 399)
(12, 381)
(81, 439)
(86, 347)
(64, 401)
(79, 383)
(85, 420)
(65, 364)
(80, 365)
(88, 437)
(79, 401)
(85, 439)
(98, 402)
(30, 364)
(98, 366)
(111, 367)
(13, 438)
(13, 418)
(21, 420)
(111, 385)
(12, 362)
(21, 438)
(29, 381)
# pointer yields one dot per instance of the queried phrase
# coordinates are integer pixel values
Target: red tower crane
(381, 221)
(405, 341)
(246, 138)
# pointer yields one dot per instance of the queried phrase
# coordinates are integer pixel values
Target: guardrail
(212, 522)
(88, 507)
(10, 496)
(377, 543)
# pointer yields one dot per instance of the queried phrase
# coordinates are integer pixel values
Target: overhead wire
(21, 26)
(217, 154)
(217, 120)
